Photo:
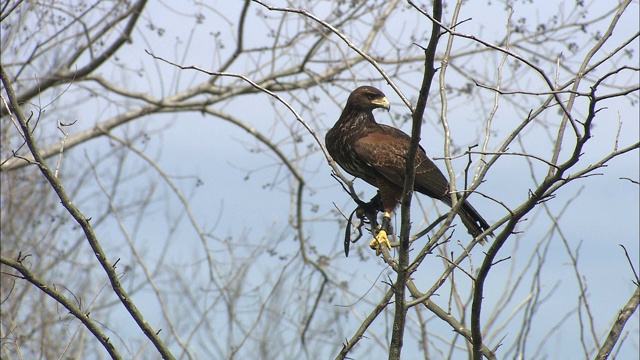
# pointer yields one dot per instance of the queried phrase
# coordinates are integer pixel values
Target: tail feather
(473, 221)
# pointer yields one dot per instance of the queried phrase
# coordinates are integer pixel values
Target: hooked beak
(382, 102)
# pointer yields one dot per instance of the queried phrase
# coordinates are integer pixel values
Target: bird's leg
(382, 239)
(367, 213)
(370, 210)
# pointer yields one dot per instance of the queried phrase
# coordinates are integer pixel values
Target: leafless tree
(166, 190)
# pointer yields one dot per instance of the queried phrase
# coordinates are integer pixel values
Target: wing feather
(386, 150)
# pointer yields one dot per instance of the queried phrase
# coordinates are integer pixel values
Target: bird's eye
(371, 96)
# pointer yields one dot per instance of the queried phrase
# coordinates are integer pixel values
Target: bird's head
(367, 98)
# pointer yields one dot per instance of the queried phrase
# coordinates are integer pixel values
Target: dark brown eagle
(376, 153)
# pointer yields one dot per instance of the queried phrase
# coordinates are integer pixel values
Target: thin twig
(633, 269)
(452, 263)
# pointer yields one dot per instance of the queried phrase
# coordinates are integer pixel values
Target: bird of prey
(377, 153)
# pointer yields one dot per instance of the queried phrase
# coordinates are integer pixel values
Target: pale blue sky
(196, 146)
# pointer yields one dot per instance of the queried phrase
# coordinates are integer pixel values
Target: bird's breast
(340, 142)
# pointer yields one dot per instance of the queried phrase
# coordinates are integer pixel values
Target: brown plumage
(376, 153)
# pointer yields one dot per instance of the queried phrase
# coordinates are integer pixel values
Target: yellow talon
(379, 241)
(382, 239)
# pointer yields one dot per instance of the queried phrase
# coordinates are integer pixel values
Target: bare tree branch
(76, 311)
(625, 313)
(82, 221)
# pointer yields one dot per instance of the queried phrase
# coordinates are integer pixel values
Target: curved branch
(82, 220)
(346, 40)
(62, 300)
(65, 75)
